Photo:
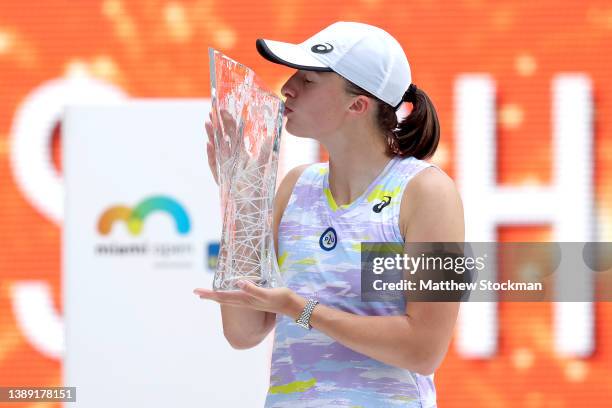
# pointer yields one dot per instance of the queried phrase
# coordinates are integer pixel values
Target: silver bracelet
(304, 319)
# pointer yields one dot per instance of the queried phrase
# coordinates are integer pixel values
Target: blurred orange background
(159, 49)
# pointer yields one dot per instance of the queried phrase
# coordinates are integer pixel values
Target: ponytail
(417, 134)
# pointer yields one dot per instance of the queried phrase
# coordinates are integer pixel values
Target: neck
(354, 163)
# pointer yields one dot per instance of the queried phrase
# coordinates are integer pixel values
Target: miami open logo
(134, 218)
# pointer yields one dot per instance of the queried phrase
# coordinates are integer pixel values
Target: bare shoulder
(283, 192)
(431, 182)
(286, 185)
(431, 208)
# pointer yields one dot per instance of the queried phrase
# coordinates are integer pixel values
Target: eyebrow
(304, 71)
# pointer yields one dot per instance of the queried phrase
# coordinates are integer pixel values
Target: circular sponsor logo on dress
(322, 48)
(328, 239)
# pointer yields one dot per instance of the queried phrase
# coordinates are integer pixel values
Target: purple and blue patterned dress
(319, 256)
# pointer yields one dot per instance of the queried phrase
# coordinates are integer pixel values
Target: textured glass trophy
(247, 123)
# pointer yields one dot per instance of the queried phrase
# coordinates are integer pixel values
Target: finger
(210, 151)
(205, 293)
(234, 295)
(212, 157)
(228, 303)
(252, 289)
(230, 298)
(209, 130)
(212, 161)
(210, 148)
(229, 124)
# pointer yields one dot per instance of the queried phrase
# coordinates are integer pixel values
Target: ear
(360, 104)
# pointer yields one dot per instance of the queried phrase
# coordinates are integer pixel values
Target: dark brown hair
(417, 134)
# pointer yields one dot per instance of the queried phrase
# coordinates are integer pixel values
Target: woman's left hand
(274, 300)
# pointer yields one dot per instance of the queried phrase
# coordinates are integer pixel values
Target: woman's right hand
(227, 144)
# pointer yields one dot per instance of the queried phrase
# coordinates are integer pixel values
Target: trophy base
(229, 284)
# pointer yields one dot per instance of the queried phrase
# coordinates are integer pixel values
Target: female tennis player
(330, 348)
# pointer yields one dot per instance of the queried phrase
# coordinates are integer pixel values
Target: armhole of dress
(302, 179)
(396, 215)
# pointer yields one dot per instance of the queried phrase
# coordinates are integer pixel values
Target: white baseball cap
(367, 56)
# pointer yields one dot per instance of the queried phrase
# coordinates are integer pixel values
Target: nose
(288, 90)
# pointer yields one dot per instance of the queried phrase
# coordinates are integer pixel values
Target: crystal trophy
(247, 122)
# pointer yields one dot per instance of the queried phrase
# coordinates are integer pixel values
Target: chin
(296, 131)
(305, 136)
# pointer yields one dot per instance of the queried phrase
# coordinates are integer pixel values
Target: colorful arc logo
(134, 218)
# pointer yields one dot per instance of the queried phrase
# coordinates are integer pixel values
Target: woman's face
(316, 103)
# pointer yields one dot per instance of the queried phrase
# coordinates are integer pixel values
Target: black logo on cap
(322, 48)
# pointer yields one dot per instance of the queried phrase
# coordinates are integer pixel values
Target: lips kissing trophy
(247, 123)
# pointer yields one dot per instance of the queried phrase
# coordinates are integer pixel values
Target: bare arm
(418, 341)
(245, 327)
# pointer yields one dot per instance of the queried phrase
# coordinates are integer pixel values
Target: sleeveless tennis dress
(319, 256)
